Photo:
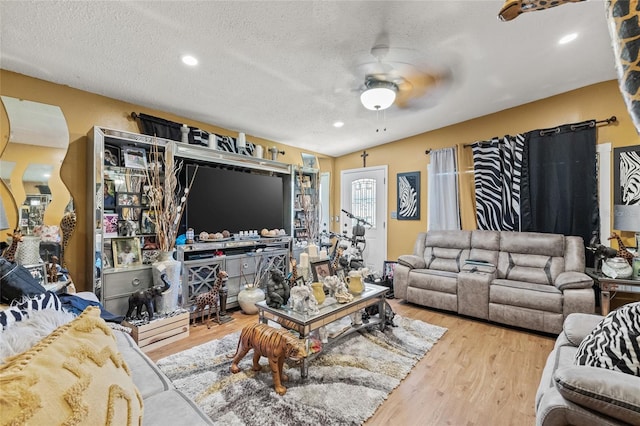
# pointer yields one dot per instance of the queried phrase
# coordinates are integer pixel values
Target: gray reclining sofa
(525, 279)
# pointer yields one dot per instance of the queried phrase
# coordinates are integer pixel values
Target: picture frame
(128, 199)
(299, 281)
(109, 193)
(149, 243)
(107, 256)
(110, 224)
(126, 252)
(341, 275)
(38, 272)
(149, 256)
(408, 201)
(128, 228)
(388, 268)
(321, 269)
(148, 222)
(130, 213)
(111, 155)
(309, 160)
(134, 157)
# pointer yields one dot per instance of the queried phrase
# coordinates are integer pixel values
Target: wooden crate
(160, 332)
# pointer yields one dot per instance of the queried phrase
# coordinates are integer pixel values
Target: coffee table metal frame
(306, 323)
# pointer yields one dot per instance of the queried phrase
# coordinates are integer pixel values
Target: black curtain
(559, 189)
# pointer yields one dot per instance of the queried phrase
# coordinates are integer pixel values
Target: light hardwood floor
(477, 374)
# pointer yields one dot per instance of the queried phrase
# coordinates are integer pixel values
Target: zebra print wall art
(409, 196)
(626, 183)
(497, 166)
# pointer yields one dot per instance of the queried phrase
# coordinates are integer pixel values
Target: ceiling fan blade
(414, 87)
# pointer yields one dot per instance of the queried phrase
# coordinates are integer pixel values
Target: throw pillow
(73, 376)
(615, 342)
(20, 310)
(16, 282)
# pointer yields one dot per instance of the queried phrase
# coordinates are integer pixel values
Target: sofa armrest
(572, 279)
(578, 325)
(612, 393)
(412, 261)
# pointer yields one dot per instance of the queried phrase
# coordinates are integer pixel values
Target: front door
(363, 193)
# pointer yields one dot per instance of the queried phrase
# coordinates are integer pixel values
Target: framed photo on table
(321, 269)
(111, 155)
(134, 157)
(128, 199)
(126, 252)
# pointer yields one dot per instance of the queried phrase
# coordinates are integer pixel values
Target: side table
(607, 285)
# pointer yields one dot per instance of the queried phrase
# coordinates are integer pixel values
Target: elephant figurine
(146, 298)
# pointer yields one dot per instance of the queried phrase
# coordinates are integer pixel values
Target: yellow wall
(84, 110)
(598, 101)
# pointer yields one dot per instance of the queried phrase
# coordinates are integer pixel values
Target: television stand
(201, 263)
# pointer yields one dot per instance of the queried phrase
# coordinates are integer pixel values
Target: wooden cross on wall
(364, 156)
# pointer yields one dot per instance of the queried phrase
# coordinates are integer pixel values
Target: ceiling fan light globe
(378, 97)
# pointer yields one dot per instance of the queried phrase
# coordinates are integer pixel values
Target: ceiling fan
(394, 78)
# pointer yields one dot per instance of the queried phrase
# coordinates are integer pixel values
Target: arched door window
(363, 200)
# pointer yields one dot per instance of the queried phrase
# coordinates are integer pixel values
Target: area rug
(345, 386)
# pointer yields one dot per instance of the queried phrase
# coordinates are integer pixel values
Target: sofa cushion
(445, 259)
(434, 280)
(533, 268)
(615, 342)
(608, 392)
(532, 243)
(173, 408)
(526, 295)
(145, 373)
(74, 376)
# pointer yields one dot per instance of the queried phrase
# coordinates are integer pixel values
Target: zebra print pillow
(614, 343)
(19, 311)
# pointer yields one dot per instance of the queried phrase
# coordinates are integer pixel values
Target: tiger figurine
(272, 343)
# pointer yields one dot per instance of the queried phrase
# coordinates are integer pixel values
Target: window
(363, 200)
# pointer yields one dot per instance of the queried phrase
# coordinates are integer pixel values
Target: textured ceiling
(286, 71)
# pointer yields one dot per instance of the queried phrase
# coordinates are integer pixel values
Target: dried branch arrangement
(308, 204)
(166, 196)
(263, 267)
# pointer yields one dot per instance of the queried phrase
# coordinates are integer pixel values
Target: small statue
(278, 290)
(52, 270)
(276, 344)
(146, 298)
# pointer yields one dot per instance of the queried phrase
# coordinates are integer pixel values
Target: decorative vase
(248, 297)
(617, 267)
(318, 292)
(169, 267)
(28, 251)
(354, 281)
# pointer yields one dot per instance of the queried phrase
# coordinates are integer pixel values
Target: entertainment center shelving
(114, 283)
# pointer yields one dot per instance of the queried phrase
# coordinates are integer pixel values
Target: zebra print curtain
(560, 183)
(444, 208)
(497, 166)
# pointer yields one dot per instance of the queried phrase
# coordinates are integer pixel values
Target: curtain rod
(576, 126)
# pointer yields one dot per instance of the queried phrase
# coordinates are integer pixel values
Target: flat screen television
(234, 200)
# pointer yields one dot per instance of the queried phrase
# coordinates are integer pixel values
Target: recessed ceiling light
(338, 124)
(568, 38)
(189, 60)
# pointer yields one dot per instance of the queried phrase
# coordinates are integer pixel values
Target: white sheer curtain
(444, 207)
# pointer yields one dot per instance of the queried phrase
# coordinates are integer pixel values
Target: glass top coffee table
(328, 313)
